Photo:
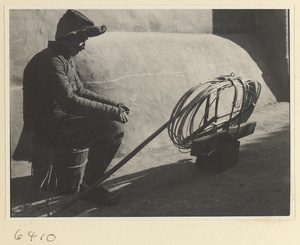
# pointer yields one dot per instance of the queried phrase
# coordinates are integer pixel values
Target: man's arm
(85, 93)
(88, 94)
(58, 84)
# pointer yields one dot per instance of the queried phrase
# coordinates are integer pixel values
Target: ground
(164, 182)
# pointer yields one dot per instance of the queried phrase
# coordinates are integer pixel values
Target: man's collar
(59, 48)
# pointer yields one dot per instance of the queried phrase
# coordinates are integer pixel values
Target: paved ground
(165, 182)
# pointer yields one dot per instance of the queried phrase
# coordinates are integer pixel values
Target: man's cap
(74, 22)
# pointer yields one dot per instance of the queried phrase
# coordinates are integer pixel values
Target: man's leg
(103, 137)
(100, 156)
(103, 154)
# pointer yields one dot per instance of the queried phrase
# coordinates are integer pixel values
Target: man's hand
(124, 107)
(123, 116)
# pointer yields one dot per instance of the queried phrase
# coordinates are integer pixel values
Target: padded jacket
(52, 89)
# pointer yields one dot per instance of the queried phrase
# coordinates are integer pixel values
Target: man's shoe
(100, 196)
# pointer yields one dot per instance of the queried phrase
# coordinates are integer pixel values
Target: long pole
(63, 207)
(114, 169)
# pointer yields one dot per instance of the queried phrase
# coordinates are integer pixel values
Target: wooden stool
(58, 170)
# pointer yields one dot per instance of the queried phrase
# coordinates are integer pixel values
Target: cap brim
(92, 31)
(88, 31)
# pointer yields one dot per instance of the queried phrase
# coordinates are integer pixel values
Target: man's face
(77, 44)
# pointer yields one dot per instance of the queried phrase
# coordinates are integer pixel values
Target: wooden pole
(114, 169)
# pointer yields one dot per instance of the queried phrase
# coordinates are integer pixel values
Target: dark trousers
(103, 137)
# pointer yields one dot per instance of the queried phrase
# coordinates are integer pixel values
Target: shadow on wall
(270, 28)
(233, 21)
(266, 68)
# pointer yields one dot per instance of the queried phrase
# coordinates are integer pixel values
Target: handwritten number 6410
(32, 234)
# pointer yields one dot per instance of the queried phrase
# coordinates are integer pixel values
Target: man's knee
(117, 128)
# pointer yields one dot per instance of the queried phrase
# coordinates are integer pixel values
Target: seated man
(62, 113)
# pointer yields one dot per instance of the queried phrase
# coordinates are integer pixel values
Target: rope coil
(204, 109)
